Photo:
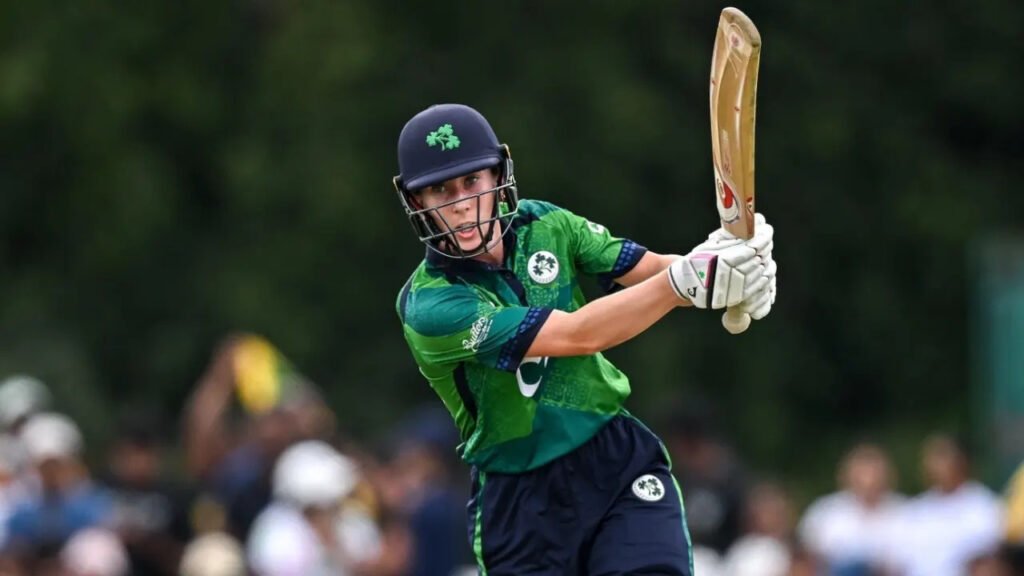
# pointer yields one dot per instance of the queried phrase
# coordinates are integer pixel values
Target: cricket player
(565, 480)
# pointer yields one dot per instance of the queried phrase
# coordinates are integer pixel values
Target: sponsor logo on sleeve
(477, 333)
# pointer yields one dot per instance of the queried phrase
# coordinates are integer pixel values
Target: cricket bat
(733, 103)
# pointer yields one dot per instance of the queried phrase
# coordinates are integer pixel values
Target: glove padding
(760, 304)
(720, 279)
(727, 271)
(720, 239)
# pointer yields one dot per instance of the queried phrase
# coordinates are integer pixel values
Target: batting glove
(727, 271)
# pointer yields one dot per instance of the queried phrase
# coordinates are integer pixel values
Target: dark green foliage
(174, 171)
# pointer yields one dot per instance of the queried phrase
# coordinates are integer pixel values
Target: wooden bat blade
(733, 91)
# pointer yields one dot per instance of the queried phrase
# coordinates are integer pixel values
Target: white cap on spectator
(50, 435)
(21, 395)
(312, 473)
(757, 556)
(213, 554)
(96, 552)
(706, 561)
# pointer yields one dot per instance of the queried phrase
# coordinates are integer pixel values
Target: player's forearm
(651, 264)
(616, 318)
(606, 322)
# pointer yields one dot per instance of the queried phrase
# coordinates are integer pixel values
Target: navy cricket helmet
(443, 142)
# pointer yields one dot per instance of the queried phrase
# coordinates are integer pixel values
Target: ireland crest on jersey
(543, 267)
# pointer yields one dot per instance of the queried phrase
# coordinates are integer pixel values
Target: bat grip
(735, 320)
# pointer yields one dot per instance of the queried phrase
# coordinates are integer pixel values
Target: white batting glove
(751, 278)
(764, 233)
(718, 279)
(760, 304)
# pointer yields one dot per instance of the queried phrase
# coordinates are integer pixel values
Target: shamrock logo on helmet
(445, 136)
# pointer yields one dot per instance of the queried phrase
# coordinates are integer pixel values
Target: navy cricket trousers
(609, 507)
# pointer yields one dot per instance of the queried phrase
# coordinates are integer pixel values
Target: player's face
(461, 206)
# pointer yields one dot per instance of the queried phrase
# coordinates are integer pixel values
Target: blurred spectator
(12, 485)
(1015, 508)
(1014, 541)
(422, 473)
(307, 530)
(707, 562)
(710, 476)
(382, 494)
(803, 562)
(849, 529)
(235, 462)
(213, 554)
(990, 565)
(94, 552)
(955, 521)
(150, 514)
(764, 550)
(20, 397)
(68, 501)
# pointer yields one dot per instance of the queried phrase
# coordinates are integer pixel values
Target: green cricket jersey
(469, 325)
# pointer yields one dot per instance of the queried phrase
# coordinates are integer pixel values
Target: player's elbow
(582, 345)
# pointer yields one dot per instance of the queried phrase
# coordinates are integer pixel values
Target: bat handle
(735, 320)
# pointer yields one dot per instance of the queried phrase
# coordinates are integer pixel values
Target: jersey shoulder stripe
(514, 350)
(629, 257)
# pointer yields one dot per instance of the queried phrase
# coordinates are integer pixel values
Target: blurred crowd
(256, 478)
(744, 525)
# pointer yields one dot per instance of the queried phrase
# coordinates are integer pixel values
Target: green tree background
(171, 172)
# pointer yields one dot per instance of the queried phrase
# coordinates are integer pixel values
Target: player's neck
(495, 255)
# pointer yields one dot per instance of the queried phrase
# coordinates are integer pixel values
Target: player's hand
(720, 239)
(743, 271)
(760, 304)
(721, 278)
